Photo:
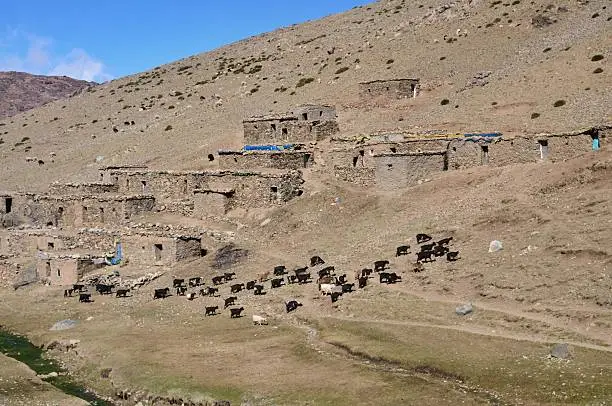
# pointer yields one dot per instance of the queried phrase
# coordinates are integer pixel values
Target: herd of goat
(329, 283)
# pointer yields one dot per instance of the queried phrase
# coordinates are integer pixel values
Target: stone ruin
(398, 159)
(392, 88)
(306, 123)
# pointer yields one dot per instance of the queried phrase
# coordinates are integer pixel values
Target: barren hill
(521, 68)
(21, 91)
(501, 65)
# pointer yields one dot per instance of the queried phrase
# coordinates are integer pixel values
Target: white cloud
(26, 52)
(79, 64)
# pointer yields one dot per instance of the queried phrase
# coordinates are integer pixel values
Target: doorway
(157, 250)
(8, 205)
(543, 149)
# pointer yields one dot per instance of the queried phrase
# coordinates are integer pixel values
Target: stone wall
(567, 147)
(80, 211)
(243, 188)
(71, 189)
(105, 172)
(152, 250)
(64, 270)
(395, 171)
(314, 112)
(393, 88)
(266, 159)
(8, 272)
(211, 203)
(359, 175)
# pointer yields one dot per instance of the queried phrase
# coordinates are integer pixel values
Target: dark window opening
(203, 252)
(101, 176)
(284, 131)
(116, 179)
(393, 149)
(362, 152)
(355, 159)
(273, 127)
(454, 149)
(50, 245)
(144, 186)
(305, 116)
(320, 114)
(185, 186)
(8, 205)
(306, 159)
(300, 192)
(48, 269)
(158, 248)
(485, 154)
(49, 224)
(389, 166)
(211, 157)
(59, 273)
(274, 189)
(543, 148)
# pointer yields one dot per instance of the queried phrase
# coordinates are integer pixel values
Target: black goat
(178, 282)
(380, 265)
(452, 256)
(421, 238)
(445, 241)
(402, 250)
(230, 301)
(280, 270)
(250, 285)
(258, 290)
(181, 290)
(277, 282)
(424, 256)
(78, 288)
(85, 297)
(428, 247)
(236, 287)
(68, 292)
(194, 282)
(363, 281)
(304, 278)
(335, 296)
(218, 280)
(122, 292)
(291, 305)
(161, 293)
(104, 289)
(348, 287)
(211, 310)
(228, 276)
(316, 260)
(235, 313)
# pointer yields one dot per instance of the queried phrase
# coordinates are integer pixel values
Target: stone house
(249, 160)
(399, 170)
(392, 88)
(306, 123)
(65, 270)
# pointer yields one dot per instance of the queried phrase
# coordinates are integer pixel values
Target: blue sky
(103, 40)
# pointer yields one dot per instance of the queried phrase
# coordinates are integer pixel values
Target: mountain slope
(20, 91)
(525, 56)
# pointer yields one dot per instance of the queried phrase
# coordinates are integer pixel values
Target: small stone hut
(392, 88)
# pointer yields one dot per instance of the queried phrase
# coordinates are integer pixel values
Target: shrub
(535, 115)
(343, 69)
(390, 61)
(25, 139)
(598, 70)
(596, 58)
(559, 103)
(444, 102)
(304, 81)
(168, 128)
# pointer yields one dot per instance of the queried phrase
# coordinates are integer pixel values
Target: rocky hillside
(21, 91)
(513, 66)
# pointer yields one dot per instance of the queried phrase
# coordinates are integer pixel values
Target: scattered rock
(561, 351)
(64, 325)
(464, 309)
(62, 345)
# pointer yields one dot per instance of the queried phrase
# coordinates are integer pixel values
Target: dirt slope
(20, 92)
(516, 60)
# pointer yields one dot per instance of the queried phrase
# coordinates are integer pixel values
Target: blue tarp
(267, 147)
(118, 255)
(595, 144)
(483, 135)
